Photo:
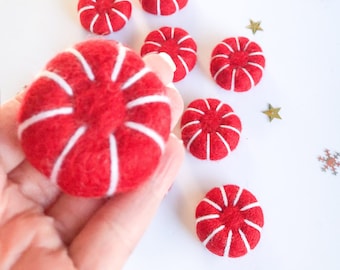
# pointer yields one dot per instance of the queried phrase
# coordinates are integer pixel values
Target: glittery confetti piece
(272, 112)
(331, 161)
(255, 26)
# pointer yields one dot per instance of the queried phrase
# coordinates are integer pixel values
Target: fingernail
(172, 86)
(161, 65)
(167, 58)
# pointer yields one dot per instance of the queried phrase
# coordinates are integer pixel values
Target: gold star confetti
(272, 113)
(255, 26)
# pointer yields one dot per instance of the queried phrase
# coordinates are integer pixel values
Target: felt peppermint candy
(96, 120)
(237, 64)
(177, 43)
(229, 221)
(210, 129)
(103, 17)
(163, 7)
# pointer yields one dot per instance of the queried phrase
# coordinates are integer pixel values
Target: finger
(2, 179)
(176, 103)
(162, 65)
(11, 154)
(112, 231)
(72, 213)
(29, 241)
(34, 185)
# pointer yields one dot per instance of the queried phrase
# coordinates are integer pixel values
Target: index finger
(11, 154)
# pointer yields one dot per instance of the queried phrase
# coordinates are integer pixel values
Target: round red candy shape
(237, 64)
(210, 129)
(177, 43)
(96, 120)
(229, 221)
(103, 17)
(163, 7)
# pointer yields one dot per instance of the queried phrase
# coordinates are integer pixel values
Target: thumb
(113, 232)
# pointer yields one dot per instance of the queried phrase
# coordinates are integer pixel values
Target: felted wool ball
(229, 221)
(177, 43)
(95, 120)
(237, 64)
(103, 17)
(163, 7)
(210, 129)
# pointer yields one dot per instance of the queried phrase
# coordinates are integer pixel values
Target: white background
(276, 161)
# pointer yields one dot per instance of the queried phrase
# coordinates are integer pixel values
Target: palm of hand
(43, 229)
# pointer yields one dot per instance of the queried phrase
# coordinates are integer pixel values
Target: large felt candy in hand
(175, 42)
(210, 129)
(103, 17)
(163, 7)
(237, 64)
(229, 221)
(96, 120)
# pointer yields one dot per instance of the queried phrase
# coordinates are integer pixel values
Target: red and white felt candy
(96, 119)
(177, 43)
(237, 64)
(229, 221)
(103, 17)
(163, 7)
(210, 129)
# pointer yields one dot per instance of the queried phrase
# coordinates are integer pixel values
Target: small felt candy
(163, 7)
(229, 221)
(103, 17)
(210, 129)
(237, 64)
(96, 120)
(177, 43)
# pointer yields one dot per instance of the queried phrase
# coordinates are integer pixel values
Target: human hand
(42, 228)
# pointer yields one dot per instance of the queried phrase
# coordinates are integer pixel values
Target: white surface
(276, 161)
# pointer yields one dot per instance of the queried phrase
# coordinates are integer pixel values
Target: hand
(42, 228)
